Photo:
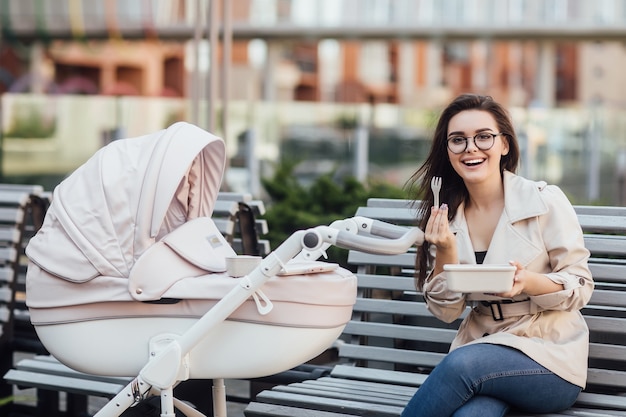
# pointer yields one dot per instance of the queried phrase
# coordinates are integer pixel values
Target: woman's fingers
(437, 229)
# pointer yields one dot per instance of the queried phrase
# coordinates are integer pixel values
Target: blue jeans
(485, 380)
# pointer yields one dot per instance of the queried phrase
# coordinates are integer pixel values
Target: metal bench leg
(48, 403)
(77, 404)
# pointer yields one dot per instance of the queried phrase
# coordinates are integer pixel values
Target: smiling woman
(526, 346)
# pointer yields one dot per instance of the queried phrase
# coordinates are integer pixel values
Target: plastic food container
(479, 278)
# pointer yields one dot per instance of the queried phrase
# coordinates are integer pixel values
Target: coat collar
(521, 197)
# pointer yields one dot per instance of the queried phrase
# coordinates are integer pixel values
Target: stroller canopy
(125, 198)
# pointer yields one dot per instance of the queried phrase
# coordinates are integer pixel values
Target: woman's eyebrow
(461, 133)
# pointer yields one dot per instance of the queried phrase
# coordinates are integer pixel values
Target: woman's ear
(505, 147)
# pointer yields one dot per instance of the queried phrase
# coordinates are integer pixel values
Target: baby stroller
(127, 276)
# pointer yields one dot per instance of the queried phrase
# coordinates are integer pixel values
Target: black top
(480, 256)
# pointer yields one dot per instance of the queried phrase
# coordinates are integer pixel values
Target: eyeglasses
(483, 141)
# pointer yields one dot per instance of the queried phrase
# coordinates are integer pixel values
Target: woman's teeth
(473, 161)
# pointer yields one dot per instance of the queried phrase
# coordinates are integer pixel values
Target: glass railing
(582, 150)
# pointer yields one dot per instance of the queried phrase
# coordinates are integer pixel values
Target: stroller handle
(381, 246)
(366, 235)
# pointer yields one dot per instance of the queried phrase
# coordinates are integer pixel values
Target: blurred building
(413, 52)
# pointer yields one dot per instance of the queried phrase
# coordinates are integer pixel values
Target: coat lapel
(512, 239)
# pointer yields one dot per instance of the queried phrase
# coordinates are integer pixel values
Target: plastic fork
(435, 185)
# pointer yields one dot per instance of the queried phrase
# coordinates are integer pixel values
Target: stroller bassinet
(127, 275)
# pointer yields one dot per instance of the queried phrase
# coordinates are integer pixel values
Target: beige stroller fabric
(116, 207)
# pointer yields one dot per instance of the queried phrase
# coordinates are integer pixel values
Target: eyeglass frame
(467, 138)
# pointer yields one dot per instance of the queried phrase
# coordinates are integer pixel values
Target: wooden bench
(22, 210)
(393, 341)
(12, 215)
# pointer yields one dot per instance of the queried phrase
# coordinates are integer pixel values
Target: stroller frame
(168, 363)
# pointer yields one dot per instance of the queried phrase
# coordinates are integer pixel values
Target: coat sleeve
(446, 305)
(568, 256)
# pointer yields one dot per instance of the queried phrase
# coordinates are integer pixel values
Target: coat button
(581, 281)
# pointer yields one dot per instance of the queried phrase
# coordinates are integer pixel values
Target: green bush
(295, 207)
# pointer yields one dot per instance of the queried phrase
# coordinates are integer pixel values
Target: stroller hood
(125, 198)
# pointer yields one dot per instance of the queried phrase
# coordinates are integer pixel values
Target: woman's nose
(471, 145)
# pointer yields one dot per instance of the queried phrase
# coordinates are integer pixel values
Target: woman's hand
(438, 230)
(530, 283)
(438, 233)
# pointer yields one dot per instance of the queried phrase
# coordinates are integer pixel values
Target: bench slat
(605, 324)
(608, 298)
(605, 244)
(9, 235)
(51, 366)
(390, 355)
(604, 223)
(364, 386)
(378, 375)
(389, 202)
(225, 208)
(406, 260)
(326, 404)
(62, 383)
(607, 270)
(256, 409)
(385, 282)
(602, 401)
(384, 306)
(11, 215)
(225, 226)
(348, 393)
(604, 351)
(375, 305)
(395, 331)
(27, 189)
(397, 216)
(606, 377)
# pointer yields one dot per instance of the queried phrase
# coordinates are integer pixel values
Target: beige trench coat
(539, 229)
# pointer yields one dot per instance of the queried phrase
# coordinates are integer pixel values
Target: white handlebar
(385, 246)
(363, 234)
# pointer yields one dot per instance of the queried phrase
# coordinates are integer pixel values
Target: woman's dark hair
(437, 164)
